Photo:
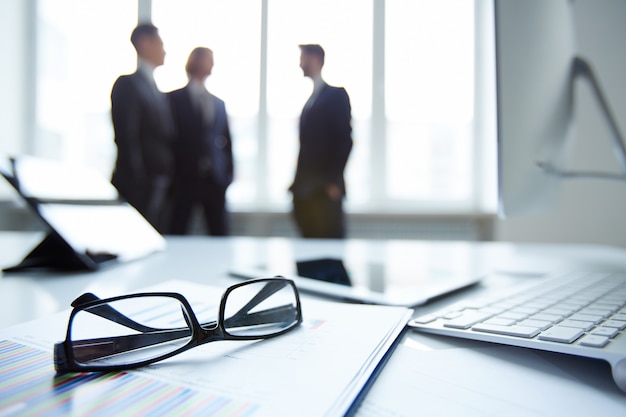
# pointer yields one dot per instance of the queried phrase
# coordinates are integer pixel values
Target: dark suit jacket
(196, 138)
(143, 135)
(325, 142)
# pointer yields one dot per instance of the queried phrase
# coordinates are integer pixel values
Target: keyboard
(581, 314)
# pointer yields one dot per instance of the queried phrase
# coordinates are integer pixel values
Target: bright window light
(414, 68)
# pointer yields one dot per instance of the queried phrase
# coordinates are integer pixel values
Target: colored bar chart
(29, 386)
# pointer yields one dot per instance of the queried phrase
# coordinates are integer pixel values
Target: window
(82, 47)
(407, 65)
(429, 79)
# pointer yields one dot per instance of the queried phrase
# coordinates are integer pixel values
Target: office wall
(589, 211)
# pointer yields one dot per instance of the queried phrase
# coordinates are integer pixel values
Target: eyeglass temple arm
(271, 315)
(92, 349)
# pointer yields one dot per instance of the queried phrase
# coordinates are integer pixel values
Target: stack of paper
(318, 369)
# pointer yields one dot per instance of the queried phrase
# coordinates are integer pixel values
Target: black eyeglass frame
(201, 333)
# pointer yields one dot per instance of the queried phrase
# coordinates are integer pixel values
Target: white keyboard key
(583, 325)
(597, 311)
(516, 330)
(491, 310)
(587, 317)
(472, 304)
(568, 306)
(500, 321)
(540, 324)
(561, 334)
(513, 315)
(608, 305)
(539, 305)
(467, 320)
(552, 318)
(452, 315)
(525, 309)
(606, 331)
(594, 341)
(504, 304)
(559, 311)
(428, 318)
(618, 324)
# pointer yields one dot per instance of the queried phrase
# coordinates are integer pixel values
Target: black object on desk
(54, 253)
(325, 269)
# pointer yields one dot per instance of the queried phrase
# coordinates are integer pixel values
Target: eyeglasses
(135, 330)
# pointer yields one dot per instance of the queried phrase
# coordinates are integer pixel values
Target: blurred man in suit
(144, 131)
(325, 144)
(203, 150)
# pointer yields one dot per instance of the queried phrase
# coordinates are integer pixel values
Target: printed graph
(29, 386)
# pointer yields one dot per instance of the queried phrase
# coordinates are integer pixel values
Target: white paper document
(467, 378)
(317, 369)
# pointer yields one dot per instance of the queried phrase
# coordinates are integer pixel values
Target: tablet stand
(54, 253)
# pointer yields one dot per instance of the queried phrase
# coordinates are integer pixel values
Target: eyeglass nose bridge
(202, 333)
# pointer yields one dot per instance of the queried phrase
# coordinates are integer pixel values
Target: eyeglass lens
(260, 309)
(129, 330)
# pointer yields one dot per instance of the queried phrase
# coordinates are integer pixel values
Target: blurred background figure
(325, 144)
(202, 149)
(144, 131)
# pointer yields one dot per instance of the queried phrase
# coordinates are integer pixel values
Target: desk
(426, 375)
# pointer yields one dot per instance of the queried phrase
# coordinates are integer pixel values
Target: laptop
(89, 225)
(412, 273)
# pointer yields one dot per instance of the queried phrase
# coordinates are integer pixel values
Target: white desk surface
(427, 374)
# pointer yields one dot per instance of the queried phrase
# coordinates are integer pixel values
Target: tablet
(89, 225)
(412, 273)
